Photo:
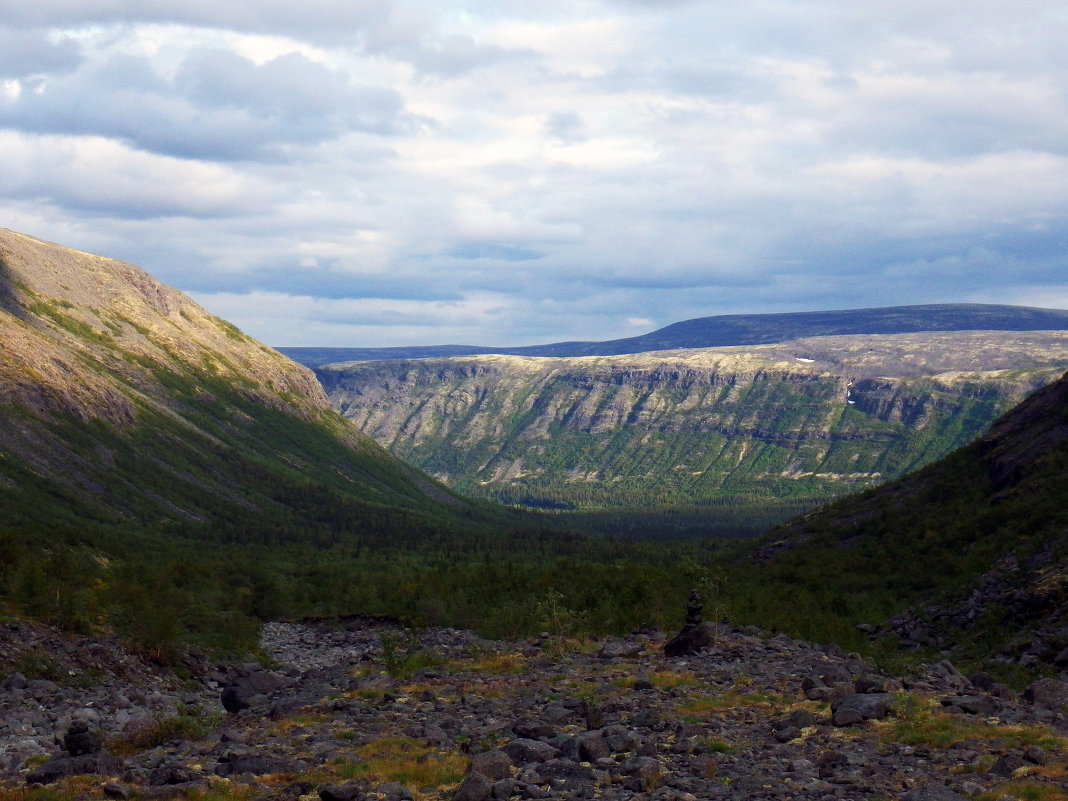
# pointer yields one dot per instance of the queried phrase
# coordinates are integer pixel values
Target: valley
(214, 584)
(798, 421)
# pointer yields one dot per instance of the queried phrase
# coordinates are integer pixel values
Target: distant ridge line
(736, 329)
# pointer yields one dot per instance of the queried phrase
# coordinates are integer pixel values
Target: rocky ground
(359, 710)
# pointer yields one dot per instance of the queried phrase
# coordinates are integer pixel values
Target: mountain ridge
(736, 329)
(812, 417)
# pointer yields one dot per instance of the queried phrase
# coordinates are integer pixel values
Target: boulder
(342, 792)
(1049, 694)
(492, 764)
(972, 704)
(691, 640)
(474, 787)
(523, 751)
(82, 739)
(617, 649)
(249, 686)
(932, 792)
(100, 763)
(860, 706)
(534, 730)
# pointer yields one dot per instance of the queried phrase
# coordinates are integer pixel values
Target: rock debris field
(356, 709)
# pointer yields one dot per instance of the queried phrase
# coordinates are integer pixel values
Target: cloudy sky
(382, 172)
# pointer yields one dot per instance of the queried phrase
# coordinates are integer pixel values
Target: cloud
(384, 172)
(24, 54)
(219, 105)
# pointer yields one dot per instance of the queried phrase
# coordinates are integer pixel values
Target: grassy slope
(926, 541)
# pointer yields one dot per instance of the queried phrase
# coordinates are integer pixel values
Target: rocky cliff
(810, 417)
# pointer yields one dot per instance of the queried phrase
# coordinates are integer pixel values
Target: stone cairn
(696, 635)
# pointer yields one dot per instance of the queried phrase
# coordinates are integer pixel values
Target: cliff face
(120, 394)
(810, 417)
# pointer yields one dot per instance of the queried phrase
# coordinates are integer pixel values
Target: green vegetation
(187, 723)
(695, 444)
(211, 500)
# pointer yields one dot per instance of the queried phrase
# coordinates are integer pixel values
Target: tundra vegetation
(164, 477)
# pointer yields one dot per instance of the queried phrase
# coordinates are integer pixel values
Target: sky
(384, 172)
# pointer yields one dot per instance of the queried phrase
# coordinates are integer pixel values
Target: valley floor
(358, 710)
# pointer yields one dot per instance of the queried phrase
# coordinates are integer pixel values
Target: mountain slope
(122, 395)
(738, 329)
(804, 419)
(166, 477)
(978, 544)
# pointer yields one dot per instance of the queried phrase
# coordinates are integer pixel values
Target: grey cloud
(306, 95)
(27, 53)
(222, 106)
(322, 20)
(567, 126)
(504, 251)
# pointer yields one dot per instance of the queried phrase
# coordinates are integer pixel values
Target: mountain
(126, 399)
(976, 545)
(801, 420)
(737, 329)
(164, 473)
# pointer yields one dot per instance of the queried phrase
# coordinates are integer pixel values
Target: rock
(870, 684)
(787, 733)
(1007, 765)
(341, 792)
(492, 764)
(100, 763)
(618, 649)
(1048, 694)
(644, 773)
(847, 716)
(972, 704)
(692, 640)
(392, 791)
(175, 791)
(249, 686)
(946, 676)
(80, 739)
(799, 719)
(474, 787)
(932, 792)
(1035, 755)
(563, 773)
(534, 730)
(524, 751)
(866, 706)
(504, 788)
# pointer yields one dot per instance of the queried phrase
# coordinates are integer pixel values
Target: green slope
(154, 461)
(967, 556)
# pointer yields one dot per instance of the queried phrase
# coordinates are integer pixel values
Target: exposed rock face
(827, 414)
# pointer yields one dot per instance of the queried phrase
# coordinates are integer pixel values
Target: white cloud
(382, 172)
